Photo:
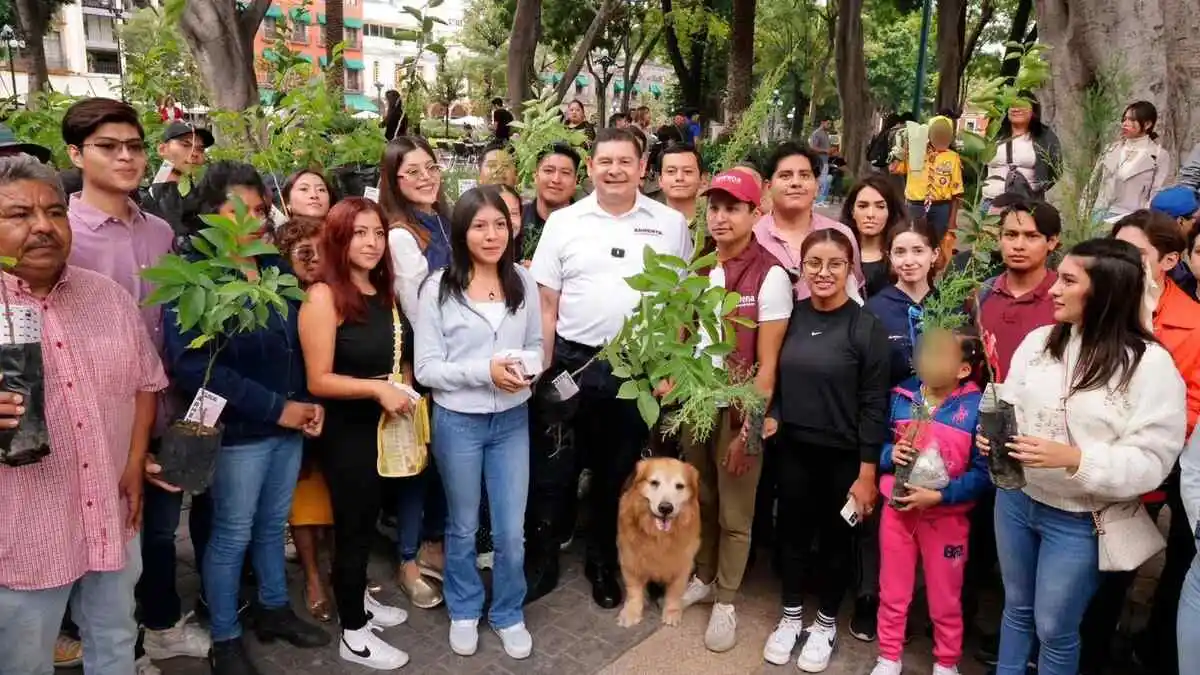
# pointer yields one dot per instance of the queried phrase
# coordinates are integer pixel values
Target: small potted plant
(218, 292)
(21, 365)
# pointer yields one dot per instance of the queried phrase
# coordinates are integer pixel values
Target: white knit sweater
(1130, 438)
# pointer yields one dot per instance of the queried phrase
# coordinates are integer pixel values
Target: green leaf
(256, 248)
(199, 341)
(163, 295)
(163, 276)
(191, 307)
(640, 282)
(719, 349)
(742, 321)
(437, 48)
(293, 293)
(647, 407)
(628, 390)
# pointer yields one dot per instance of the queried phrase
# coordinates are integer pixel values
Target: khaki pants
(726, 509)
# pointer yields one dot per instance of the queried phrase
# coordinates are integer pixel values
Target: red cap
(737, 184)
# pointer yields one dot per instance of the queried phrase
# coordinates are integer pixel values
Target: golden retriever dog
(658, 534)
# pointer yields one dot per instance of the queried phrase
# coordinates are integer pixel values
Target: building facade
(303, 29)
(388, 59)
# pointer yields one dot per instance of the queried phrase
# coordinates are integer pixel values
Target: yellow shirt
(940, 178)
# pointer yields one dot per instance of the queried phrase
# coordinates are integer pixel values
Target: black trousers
(355, 492)
(594, 429)
(812, 486)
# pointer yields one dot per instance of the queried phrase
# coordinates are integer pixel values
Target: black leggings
(813, 484)
(355, 490)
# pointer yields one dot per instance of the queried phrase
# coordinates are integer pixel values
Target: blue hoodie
(437, 253)
(901, 318)
(257, 373)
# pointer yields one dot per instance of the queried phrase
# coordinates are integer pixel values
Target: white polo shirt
(586, 253)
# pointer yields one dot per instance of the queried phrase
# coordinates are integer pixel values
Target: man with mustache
(586, 252)
(70, 521)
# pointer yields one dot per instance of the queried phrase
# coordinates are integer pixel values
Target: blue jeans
(824, 181)
(495, 447)
(102, 607)
(410, 510)
(1050, 566)
(1187, 627)
(938, 217)
(251, 496)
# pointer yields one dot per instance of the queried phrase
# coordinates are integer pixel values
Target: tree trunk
(1156, 41)
(951, 34)
(852, 84)
(603, 14)
(987, 9)
(1017, 33)
(741, 61)
(642, 52)
(335, 13)
(689, 73)
(800, 102)
(820, 72)
(33, 17)
(526, 31)
(221, 38)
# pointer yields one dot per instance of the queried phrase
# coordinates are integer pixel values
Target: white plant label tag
(565, 385)
(26, 326)
(371, 193)
(212, 406)
(164, 172)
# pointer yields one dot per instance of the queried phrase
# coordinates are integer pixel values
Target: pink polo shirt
(63, 516)
(768, 236)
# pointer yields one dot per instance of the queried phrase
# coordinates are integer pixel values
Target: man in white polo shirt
(585, 253)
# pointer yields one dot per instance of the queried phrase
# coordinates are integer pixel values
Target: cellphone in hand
(850, 511)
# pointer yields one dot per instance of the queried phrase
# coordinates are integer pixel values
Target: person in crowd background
(1133, 168)
(1102, 413)
(934, 190)
(831, 410)
(350, 332)
(103, 376)
(395, 122)
(911, 259)
(871, 209)
(554, 184)
(681, 177)
(729, 469)
(577, 120)
(502, 121)
(792, 182)
(412, 197)
(928, 522)
(474, 315)
(1182, 204)
(496, 166)
(182, 147)
(822, 144)
(1025, 145)
(307, 193)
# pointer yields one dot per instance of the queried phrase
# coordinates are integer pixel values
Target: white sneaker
(384, 616)
(721, 634)
(182, 639)
(697, 591)
(818, 647)
(464, 636)
(944, 670)
(518, 643)
(363, 647)
(485, 561)
(886, 667)
(144, 666)
(782, 641)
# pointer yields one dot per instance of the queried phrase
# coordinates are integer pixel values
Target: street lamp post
(379, 92)
(11, 44)
(919, 86)
(606, 63)
(116, 8)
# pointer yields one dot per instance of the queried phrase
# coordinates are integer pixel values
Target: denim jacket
(454, 346)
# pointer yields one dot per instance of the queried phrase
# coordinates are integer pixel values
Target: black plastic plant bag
(188, 457)
(998, 427)
(352, 180)
(21, 365)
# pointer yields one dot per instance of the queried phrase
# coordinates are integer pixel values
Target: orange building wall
(315, 46)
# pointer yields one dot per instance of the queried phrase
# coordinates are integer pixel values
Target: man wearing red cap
(729, 469)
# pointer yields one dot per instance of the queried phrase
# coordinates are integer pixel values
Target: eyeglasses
(417, 173)
(835, 266)
(306, 254)
(112, 148)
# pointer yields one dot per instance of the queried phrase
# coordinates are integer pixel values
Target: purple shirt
(120, 251)
(769, 237)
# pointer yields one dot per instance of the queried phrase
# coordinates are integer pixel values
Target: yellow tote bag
(403, 440)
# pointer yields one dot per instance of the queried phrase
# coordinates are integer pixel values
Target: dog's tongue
(663, 524)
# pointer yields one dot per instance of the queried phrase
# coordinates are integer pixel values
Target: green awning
(266, 97)
(321, 19)
(351, 22)
(354, 64)
(581, 80)
(556, 78)
(637, 89)
(270, 55)
(274, 12)
(307, 57)
(618, 86)
(301, 15)
(655, 89)
(324, 61)
(358, 102)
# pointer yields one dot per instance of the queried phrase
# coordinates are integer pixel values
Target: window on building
(354, 80)
(353, 40)
(104, 62)
(99, 30)
(270, 29)
(397, 77)
(300, 33)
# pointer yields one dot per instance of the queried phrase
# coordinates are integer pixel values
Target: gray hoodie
(454, 346)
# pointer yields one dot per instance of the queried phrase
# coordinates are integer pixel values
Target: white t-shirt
(774, 301)
(1024, 157)
(586, 253)
(493, 311)
(410, 268)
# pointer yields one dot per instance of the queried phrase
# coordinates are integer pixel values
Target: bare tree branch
(585, 45)
(252, 16)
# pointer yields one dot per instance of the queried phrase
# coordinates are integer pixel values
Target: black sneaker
(862, 624)
(228, 657)
(283, 624)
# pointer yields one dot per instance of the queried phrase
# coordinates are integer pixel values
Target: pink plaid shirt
(769, 238)
(63, 517)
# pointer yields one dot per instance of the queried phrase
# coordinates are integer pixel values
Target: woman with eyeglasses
(830, 410)
(418, 242)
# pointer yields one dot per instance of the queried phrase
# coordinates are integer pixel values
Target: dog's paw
(628, 617)
(672, 617)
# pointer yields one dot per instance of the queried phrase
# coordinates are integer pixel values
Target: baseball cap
(9, 144)
(738, 184)
(180, 129)
(1178, 202)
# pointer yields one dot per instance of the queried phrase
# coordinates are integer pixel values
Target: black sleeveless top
(363, 349)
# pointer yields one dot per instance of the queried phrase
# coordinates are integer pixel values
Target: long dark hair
(395, 206)
(212, 190)
(458, 275)
(1146, 115)
(285, 192)
(919, 227)
(881, 184)
(1113, 337)
(1036, 127)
